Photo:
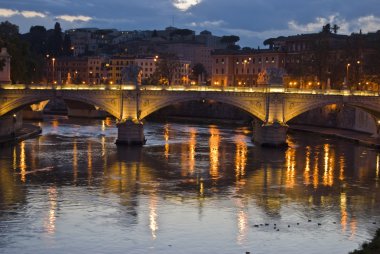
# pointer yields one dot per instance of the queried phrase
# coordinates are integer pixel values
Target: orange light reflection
(214, 142)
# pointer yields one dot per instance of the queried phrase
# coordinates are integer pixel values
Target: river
(192, 188)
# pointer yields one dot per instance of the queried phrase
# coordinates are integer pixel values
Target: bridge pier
(130, 133)
(270, 134)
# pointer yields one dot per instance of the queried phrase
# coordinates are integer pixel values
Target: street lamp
(53, 60)
(359, 71)
(346, 81)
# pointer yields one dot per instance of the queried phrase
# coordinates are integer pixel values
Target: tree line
(30, 52)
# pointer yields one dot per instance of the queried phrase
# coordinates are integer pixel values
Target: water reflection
(153, 224)
(307, 166)
(214, 142)
(290, 167)
(89, 162)
(166, 137)
(50, 220)
(242, 222)
(240, 157)
(196, 177)
(22, 162)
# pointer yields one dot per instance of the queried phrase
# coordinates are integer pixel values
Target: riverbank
(372, 247)
(27, 131)
(354, 136)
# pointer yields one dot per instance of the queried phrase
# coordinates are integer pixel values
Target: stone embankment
(362, 138)
(27, 131)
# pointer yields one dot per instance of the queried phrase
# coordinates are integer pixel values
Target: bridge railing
(264, 89)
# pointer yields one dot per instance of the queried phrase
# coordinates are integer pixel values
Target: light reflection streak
(307, 166)
(353, 227)
(103, 125)
(14, 158)
(192, 145)
(22, 162)
(89, 162)
(343, 211)
(342, 165)
(290, 167)
(326, 149)
(240, 157)
(104, 152)
(377, 165)
(55, 123)
(242, 222)
(201, 188)
(75, 159)
(214, 152)
(316, 171)
(242, 226)
(153, 224)
(166, 136)
(49, 223)
(108, 122)
(331, 168)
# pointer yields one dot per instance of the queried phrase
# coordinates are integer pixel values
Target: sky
(252, 20)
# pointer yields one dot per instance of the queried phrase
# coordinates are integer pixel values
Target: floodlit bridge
(272, 106)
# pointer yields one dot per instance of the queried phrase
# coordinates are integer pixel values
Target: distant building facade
(242, 68)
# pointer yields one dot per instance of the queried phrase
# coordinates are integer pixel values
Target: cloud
(207, 23)
(184, 5)
(367, 24)
(8, 13)
(319, 22)
(26, 14)
(32, 14)
(71, 18)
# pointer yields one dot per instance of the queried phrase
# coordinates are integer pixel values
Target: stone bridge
(273, 107)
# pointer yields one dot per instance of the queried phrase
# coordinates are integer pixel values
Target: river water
(191, 189)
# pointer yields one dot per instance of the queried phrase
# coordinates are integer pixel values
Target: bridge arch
(25, 100)
(296, 108)
(254, 107)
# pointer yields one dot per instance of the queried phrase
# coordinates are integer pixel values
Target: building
(193, 52)
(115, 66)
(148, 65)
(68, 70)
(241, 68)
(97, 73)
(5, 70)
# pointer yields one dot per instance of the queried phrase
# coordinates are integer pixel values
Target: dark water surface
(191, 189)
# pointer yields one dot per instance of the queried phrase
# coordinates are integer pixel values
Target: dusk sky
(252, 20)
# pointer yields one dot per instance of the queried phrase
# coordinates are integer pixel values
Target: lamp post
(346, 81)
(359, 67)
(53, 61)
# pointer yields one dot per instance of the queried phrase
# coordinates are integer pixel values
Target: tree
(38, 39)
(66, 46)
(335, 28)
(326, 28)
(55, 42)
(167, 67)
(182, 33)
(198, 71)
(230, 39)
(18, 49)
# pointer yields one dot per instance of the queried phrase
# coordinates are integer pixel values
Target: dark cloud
(252, 20)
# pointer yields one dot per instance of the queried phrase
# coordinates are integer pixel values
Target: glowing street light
(346, 81)
(53, 60)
